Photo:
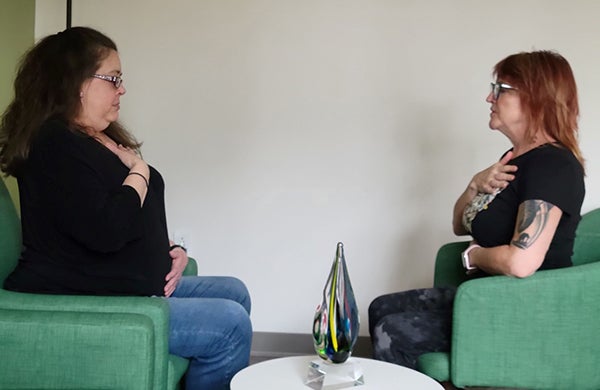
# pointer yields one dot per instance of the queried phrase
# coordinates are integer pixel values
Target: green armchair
(80, 342)
(540, 332)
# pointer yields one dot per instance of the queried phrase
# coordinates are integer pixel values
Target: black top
(550, 173)
(83, 230)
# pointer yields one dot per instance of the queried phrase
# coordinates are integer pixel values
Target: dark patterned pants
(407, 324)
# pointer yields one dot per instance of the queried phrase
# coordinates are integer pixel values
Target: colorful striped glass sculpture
(336, 322)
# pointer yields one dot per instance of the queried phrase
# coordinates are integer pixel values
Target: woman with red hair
(522, 211)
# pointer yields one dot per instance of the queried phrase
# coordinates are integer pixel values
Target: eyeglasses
(498, 88)
(116, 80)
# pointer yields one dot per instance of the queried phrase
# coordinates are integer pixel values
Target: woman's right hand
(495, 177)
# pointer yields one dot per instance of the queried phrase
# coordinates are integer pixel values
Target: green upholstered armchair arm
(124, 338)
(114, 342)
(448, 265)
(192, 267)
(522, 332)
(85, 342)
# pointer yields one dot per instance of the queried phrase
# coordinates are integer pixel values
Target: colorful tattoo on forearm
(531, 222)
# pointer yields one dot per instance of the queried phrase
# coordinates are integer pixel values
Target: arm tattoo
(531, 222)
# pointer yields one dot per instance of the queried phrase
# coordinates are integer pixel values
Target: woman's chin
(493, 124)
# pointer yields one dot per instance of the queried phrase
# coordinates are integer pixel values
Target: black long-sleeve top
(84, 232)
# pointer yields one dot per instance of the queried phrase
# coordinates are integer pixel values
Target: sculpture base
(324, 375)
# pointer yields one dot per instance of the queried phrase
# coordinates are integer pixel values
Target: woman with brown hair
(93, 211)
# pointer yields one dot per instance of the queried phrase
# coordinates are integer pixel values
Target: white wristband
(465, 257)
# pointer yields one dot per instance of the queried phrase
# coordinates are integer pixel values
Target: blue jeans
(210, 325)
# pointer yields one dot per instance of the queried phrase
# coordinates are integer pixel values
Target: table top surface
(289, 373)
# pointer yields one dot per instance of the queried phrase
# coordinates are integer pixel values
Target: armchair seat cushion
(435, 365)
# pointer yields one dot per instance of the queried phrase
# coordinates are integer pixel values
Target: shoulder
(55, 133)
(552, 160)
(55, 137)
(55, 128)
(56, 147)
(553, 174)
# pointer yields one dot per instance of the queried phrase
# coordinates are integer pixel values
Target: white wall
(283, 127)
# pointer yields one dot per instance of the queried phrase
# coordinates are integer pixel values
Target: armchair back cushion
(10, 234)
(587, 240)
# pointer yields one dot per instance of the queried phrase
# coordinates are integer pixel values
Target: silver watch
(465, 257)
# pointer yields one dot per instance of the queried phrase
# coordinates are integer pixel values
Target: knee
(239, 291)
(374, 306)
(383, 303)
(375, 312)
(239, 320)
(237, 340)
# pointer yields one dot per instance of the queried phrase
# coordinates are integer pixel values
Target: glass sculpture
(336, 322)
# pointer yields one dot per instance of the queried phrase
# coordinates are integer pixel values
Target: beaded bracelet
(140, 175)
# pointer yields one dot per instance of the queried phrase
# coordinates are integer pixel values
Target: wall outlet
(180, 238)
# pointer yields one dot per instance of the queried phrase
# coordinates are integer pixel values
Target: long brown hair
(548, 92)
(47, 86)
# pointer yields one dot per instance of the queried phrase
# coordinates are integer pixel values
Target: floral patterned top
(478, 203)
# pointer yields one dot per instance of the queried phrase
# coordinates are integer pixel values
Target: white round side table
(289, 373)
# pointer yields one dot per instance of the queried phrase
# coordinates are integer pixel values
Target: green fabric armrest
(113, 340)
(521, 332)
(449, 271)
(118, 353)
(192, 267)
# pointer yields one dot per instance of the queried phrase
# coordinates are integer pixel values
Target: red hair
(548, 93)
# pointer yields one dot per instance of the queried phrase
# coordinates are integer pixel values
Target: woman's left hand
(179, 263)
